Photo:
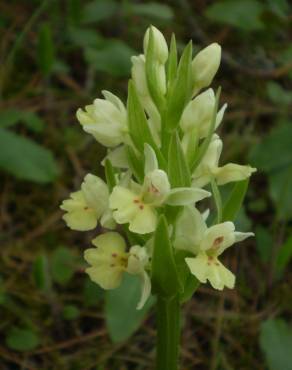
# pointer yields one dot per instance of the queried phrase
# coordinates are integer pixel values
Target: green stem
(168, 333)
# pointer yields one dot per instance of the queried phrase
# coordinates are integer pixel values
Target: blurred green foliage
(59, 55)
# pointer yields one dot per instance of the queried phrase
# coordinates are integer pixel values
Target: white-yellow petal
(145, 291)
(79, 215)
(105, 277)
(211, 269)
(108, 260)
(110, 242)
(189, 230)
(198, 267)
(96, 193)
(220, 276)
(233, 172)
(218, 237)
(124, 203)
(144, 221)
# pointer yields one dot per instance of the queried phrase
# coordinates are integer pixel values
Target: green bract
(162, 151)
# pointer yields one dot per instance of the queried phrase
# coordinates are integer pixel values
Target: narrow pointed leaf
(110, 175)
(172, 61)
(178, 170)
(136, 164)
(180, 90)
(138, 125)
(165, 278)
(234, 202)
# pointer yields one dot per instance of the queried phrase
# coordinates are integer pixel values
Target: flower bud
(139, 79)
(139, 75)
(160, 45)
(205, 65)
(199, 112)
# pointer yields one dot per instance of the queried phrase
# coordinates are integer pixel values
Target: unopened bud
(205, 65)
(160, 45)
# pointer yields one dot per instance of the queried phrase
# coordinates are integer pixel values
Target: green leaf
(178, 170)
(136, 164)
(180, 91)
(46, 49)
(71, 312)
(217, 199)
(137, 121)
(153, 10)
(278, 95)
(25, 159)
(122, 317)
(280, 8)
(165, 277)
(62, 265)
(84, 37)
(74, 10)
(280, 186)
(11, 117)
(99, 10)
(242, 14)
(274, 151)
(92, 293)
(113, 58)
(264, 243)
(274, 156)
(276, 342)
(20, 339)
(233, 204)
(284, 256)
(110, 175)
(33, 121)
(172, 61)
(41, 273)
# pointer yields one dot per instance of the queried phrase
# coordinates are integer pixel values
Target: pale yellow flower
(87, 206)
(207, 244)
(209, 167)
(110, 260)
(106, 120)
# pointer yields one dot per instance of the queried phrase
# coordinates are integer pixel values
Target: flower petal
(198, 266)
(122, 201)
(96, 193)
(110, 242)
(233, 172)
(189, 230)
(107, 278)
(146, 289)
(186, 196)
(144, 221)
(219, 237)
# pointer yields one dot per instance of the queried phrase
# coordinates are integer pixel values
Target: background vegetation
(57, 56)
